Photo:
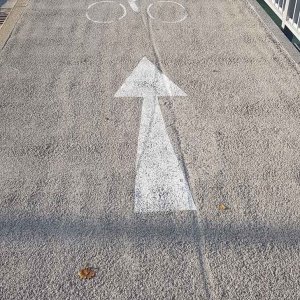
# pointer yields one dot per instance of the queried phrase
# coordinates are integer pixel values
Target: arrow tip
(146, 80)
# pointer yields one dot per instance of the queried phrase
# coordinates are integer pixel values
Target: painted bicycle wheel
(167, 11)
(106, 12)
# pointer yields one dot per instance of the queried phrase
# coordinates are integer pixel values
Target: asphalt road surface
(107, 163)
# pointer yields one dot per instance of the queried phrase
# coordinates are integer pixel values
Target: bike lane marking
(105, 22)
(172, 2)
(160, 183)
(134, 6)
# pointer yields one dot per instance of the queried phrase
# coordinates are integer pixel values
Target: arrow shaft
(151, 114)
(160, 182)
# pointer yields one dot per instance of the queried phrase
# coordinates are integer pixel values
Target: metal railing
(289, 13)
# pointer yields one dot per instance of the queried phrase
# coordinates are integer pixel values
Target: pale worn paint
(184, 16)
(133, 5)
(122, 15)
(160, 181)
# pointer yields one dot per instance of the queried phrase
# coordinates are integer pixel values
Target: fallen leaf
(86, 273)
(222, 207)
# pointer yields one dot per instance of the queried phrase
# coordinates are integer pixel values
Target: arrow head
(146, 80)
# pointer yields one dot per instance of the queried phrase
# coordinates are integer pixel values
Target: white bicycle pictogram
(120, 11)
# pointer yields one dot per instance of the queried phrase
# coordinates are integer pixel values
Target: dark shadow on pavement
(164, 229)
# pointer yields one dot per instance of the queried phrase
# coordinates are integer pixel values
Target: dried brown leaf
(86, 273)
(222, 207)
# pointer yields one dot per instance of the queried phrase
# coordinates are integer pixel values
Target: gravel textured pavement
(68, 151)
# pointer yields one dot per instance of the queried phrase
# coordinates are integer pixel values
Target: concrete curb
(12, 19)
(275, 31)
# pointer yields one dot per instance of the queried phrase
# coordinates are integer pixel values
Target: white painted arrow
(160, 181)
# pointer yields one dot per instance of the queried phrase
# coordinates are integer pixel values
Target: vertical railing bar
(298, 23)
(297, 11)
(294, 11)
(280, 4)
(289, 13)
(285, 13)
